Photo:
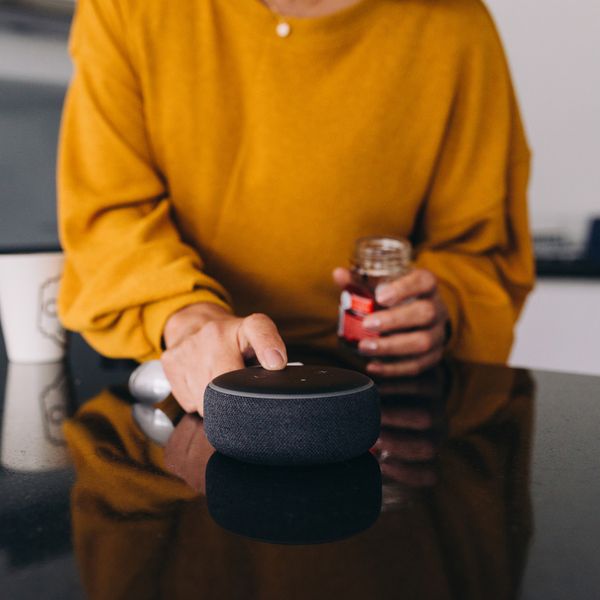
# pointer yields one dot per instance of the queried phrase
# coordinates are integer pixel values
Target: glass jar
(375, 260)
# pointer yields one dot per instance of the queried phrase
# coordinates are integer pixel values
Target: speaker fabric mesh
(292, 430)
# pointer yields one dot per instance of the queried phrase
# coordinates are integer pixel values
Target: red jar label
(361, 304)
(353, 309)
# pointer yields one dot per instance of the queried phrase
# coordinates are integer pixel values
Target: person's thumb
(341, 276)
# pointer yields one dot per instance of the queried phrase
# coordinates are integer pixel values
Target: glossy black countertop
(485, 483)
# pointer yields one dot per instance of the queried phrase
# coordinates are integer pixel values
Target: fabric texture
(205, 159)
(293, 430)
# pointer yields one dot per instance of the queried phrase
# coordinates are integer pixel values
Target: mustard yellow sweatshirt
(203, 158)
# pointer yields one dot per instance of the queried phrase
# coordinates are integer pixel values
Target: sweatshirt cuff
(451, 302)
(156, 314)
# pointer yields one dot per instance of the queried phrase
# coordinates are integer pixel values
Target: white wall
(34, 57)
(554, 50)
(560, 328)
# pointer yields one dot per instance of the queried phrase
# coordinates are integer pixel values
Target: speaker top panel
(293, 381)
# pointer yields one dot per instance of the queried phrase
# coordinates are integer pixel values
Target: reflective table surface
(484, 483)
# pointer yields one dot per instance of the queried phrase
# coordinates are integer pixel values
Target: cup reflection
(412, 430)
(36, 403)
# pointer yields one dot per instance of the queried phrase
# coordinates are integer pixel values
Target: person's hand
(413, 326)
(203, 340)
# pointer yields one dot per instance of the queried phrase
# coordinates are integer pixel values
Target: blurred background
(554, 51)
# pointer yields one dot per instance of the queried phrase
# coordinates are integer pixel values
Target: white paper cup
(35, 407)
(28, 312)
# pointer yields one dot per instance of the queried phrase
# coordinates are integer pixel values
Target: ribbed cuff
(451, 302)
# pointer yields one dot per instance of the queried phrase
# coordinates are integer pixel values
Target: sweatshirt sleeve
(474, 233)
(126, 267)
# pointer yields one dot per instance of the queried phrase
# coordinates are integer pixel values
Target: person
(218, 160)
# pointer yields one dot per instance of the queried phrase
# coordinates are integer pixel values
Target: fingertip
(341, 276)
(273, 359)
(385, 294)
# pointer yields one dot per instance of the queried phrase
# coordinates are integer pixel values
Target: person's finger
(419, 282)
(409, 366)
(191, 365)
(261, 334)
(174, 362)
(420, 313)
(342, 277)
(413, 343)
(218, 347)
(184, 389)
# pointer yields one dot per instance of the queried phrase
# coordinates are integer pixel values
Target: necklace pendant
(283, 29)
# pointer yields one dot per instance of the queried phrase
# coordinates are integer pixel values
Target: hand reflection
(187, 452)
(411, 421)
(36, 402)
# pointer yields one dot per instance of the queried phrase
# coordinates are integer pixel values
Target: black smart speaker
(294, 505)
(300, 415)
